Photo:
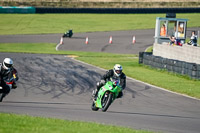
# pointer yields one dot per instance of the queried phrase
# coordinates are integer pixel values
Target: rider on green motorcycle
(115, 73)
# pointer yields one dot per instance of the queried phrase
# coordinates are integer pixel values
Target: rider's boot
(94, 94)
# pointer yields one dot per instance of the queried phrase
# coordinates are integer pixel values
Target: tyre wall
(171, 65)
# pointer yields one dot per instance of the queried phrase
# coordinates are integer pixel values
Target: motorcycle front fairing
(108, 87)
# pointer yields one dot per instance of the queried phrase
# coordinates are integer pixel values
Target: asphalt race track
(98, 41)
(60, 87)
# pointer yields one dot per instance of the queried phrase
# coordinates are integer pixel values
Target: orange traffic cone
(134, 39)
(110, 41)
(61, 40)
(86, 40)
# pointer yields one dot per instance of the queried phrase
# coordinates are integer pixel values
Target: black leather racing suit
(4, 75)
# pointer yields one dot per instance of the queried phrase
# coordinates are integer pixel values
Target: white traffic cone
(110, 41)
(86, 40)
(134, 39)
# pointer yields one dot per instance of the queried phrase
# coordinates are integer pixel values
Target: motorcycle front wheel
(106, 102)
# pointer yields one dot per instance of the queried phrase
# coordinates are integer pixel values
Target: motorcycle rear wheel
(93, 107)
(2, 95)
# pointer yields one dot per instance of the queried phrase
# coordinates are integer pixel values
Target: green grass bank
(11, 123)
(59, 23)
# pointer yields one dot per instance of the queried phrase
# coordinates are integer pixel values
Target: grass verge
(161, 78)
(28, 124)
(59, 23)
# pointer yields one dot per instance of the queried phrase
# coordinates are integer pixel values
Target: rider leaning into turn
(115, 73)
(6, 72)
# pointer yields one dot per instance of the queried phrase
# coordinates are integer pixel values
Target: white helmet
(117, 70)
(7, 63)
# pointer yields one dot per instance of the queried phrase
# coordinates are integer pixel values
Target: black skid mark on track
(104, 48)
(54, 76)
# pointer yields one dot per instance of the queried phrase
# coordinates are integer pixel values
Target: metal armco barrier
(176, 66)
(117, 10)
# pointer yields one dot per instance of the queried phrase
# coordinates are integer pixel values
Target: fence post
(141, 55)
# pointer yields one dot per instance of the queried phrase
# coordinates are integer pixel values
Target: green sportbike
(106, 95)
